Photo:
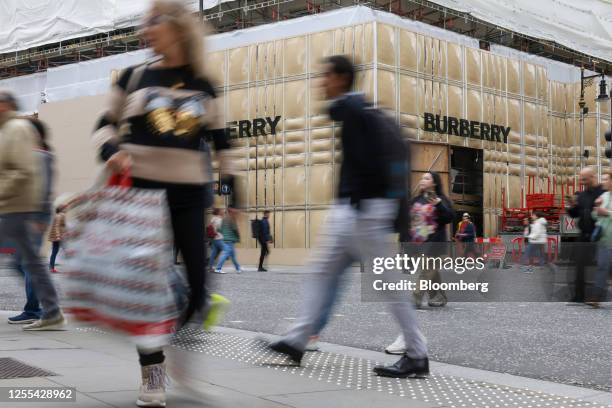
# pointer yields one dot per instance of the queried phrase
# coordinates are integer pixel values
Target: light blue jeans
(216, 248)
(332, 294)
(351, 235)
(228, 252)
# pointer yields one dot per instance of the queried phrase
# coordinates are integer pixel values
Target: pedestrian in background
(213, 231)
(22, 185)
(581, 207)
(466, 234)
(526, 255)
(603, 216)
(466, 231)
(32, 311)
(538, 238)
(56, 234)
(231, 236)
(430, 212)
(264, 238)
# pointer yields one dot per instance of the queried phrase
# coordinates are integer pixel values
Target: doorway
(466, 178)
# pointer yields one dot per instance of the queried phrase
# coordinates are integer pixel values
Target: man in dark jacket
(581, 207)
(264, 239)
(358, 227)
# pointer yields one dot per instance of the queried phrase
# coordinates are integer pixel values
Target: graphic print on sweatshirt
(172, 114)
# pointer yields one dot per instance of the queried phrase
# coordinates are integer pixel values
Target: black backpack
(393, 162)
(255, 228)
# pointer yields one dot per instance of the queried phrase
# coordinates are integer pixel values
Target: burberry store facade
(488, 121)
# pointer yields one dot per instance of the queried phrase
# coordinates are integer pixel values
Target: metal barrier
(552, 248)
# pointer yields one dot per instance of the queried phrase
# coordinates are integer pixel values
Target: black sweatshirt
(360, 171)
(162, 123)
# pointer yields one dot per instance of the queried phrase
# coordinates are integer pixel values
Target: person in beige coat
(20, 200)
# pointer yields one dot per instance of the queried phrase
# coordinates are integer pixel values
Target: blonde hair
(192, 30)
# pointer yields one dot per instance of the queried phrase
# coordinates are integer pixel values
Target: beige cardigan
(20, 170)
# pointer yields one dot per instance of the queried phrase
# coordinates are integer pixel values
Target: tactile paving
(356, 373)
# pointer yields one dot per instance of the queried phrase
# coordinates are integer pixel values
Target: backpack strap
(137, 72)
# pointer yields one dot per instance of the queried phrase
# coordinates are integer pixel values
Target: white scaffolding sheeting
(31, 23)
(93, 77)
(29, 90)
(584, 25)
(88, 78)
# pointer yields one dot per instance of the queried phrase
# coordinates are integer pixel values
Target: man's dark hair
(341, 65)
(8, 97)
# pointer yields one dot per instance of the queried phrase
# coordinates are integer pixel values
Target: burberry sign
(465, 128)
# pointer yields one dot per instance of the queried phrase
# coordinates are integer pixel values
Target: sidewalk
(236, 370)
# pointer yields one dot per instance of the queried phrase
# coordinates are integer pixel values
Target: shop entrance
(466, 192)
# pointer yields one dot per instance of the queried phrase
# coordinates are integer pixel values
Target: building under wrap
(486, 120)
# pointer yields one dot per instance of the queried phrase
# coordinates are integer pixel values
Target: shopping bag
(118, 247)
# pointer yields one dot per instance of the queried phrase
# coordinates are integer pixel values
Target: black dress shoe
(262, 270)
(293, 353)
(405, 367)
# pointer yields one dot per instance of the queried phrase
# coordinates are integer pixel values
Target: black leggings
(264, 252)
(54, 251)
(188, 228)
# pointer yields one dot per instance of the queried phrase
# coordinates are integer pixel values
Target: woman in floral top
(430, 212)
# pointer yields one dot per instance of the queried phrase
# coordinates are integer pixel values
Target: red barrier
(492, 248)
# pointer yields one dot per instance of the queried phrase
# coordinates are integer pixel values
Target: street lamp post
(587, 80)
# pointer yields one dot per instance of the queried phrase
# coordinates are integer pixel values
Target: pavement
(233, 368)
(507, 350)
(548, 341)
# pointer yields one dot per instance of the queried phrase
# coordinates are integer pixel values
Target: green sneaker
(216, 311)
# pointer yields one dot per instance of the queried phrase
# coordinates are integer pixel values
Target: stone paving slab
(348, 399)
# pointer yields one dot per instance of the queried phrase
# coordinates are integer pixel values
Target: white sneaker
(56, 323)
(397, 347)
(221, 271)
(313, 344)
(153, 389)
